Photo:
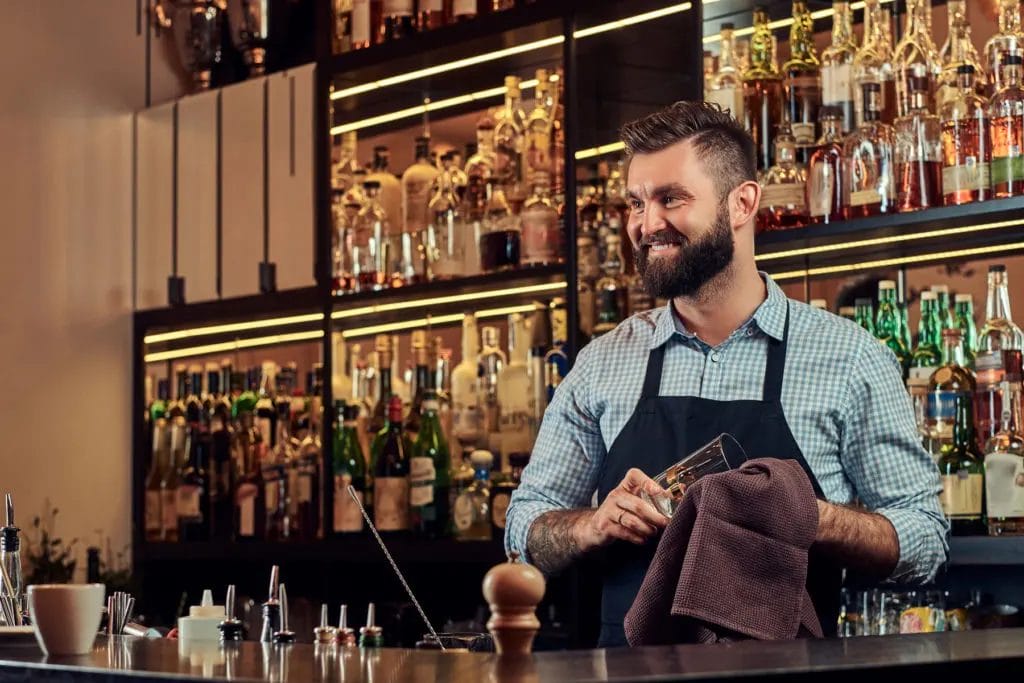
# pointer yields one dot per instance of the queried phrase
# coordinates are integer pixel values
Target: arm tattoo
(550, 541)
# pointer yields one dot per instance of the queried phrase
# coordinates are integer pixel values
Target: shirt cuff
(518, 522)
(924, 546)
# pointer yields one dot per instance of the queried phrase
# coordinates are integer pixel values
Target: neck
(723, 304)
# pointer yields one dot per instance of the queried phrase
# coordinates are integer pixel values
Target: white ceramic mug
(66, 617)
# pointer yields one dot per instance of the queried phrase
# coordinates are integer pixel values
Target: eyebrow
(662, 190)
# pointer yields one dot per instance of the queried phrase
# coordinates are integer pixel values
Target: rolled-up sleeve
(891, 471)
(566, 459)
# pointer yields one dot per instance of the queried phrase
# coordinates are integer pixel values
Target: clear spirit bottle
(446, 237)
(837, 65)
(726, 86)
(873, 61)
(868, 155)
(467, 409)
(541, 229)
(1004, 469)
(958, 51)
(762, 90)
(803, 81)
(918, 151)
(417, 183)
(825, 171)
(1009, 40)
(371, 245)
(1000, 333)
(472, 510)
(1006, 121)
(783, 202)
(915, 57)
(390, 192)
(966, 147)
(492, 360)
(509, 137)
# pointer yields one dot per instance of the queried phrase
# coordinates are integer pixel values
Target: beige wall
(71, 74)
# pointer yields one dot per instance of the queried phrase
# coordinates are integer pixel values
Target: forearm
(864, 542)
(552, 542)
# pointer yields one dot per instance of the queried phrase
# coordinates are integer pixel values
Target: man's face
(681, 232)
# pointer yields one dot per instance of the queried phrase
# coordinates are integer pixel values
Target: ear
(743, 203)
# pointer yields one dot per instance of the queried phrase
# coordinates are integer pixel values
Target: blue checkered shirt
(842, 395)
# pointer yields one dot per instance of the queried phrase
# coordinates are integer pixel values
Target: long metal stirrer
(380, 542)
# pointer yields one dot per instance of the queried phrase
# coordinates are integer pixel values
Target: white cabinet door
(154, 188)
(242, 116)
(291, 145)
(197, 195)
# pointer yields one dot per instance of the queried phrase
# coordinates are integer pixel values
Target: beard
(693, 267)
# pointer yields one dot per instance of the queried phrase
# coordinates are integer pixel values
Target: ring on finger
(619, 520)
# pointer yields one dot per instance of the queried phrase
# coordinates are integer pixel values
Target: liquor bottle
(492, 361)
(588, 272)
(277, 465)
(989, 405)
(423, 377)
(725, 87)
(417, 182)
(349, 470)
(825, 171)
(249, 494)
(1004, 469)
(963, 475)
(222, 466)
(430, 473)
(1000, 333)
(541, 229)
(452, 163)
(500, 234)
(612, 291)
(556, 360)
(916, 58)
(950, 382)
(888, 322)
(501, 5)
(958, 51)
(445, 243)
(538, 132)
(803, 81)
(868, 154)
(966, 145)
(362, 25)
(193, 495)
(472, 514)
(945, 317)
(501, 492)
(370, 257)
(345, 163)
(837, 65)
(463, 10)
(467, 411)
(399, 20)
(390, 193)
(762, 90)
(391, 473)
(873, 61)
(385, 351)
(509, 137)
(864, 314)
(1006, 121)
(963, 320)
(431, 14)
(154, 477)
(515, 392)
(918, 152)
(1009, 40)
(540, 343)
(265, 412)
(783, 186)
(555, 105)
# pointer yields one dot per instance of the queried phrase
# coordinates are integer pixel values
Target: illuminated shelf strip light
(233, 327)
(431, 321)
(894, 239)
(508, 52)
(900, 261)
(600, 149)
(234, 345)
(441, 300)
(782, 23)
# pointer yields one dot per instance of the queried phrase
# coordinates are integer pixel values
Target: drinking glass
(721, 454)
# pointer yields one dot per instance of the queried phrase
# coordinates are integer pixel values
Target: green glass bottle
(963, 320)
(864, 315)
(889, 321)
(430, 473)
(963, 475)
(942, 306)
(349, 470)
(927, 353)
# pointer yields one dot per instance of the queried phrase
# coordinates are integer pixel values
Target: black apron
(660, 432)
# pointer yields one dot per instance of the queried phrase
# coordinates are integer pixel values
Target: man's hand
(559, 537)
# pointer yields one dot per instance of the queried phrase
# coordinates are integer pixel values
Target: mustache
(662, 237)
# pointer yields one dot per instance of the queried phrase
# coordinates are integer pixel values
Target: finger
(636, 481)
(637, 525)
(624, 534)
(641, 509)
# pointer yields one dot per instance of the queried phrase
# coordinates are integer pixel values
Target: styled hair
(722, 144)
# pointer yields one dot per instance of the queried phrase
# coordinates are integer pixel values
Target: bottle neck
(963, 429)
(801, 35)
(385, 383)
(998, 303)
(918, 17)
(1009, 16)
(761, 55)
(952, 351)
(470, 343)
(1011, 75)
(1011, 410)
(484, 141)
(965, 82)
(727, 58)
(842, 24)
(924, 327)
(919, 102)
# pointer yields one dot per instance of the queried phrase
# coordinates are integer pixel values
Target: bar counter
(881, 658)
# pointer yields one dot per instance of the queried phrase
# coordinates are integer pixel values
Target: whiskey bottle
(783, 186)
(1000, 333)
(825, 171)
(341, 36)
(612, 290)
(417, 183)
(1006, 121)
(966, 145)
(873, 61)
(725, 87)
(868, 155)
(389, 187)
(837, 65)
(371, 252)
(958, 51)
(1004, 469)
(762, 90)
(445, 243)
(918, 151)
(541, 234)
(471, 514)
(1009, 40)
(950, 382)
(803, 82)
(399, 20)
(963, 475)
(509, 133)
(539, 128)
(430, 473)
(391, 473)
(349, 470)
(916, 58)
(500, 235)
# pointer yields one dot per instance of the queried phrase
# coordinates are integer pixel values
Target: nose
(653, 220)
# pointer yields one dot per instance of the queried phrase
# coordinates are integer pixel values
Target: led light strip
(900, 261)
(782, 23)
(895, 239)
(223, 347)
(233, 327)
(433, 320)
(509, 52)
(441, 300)
(600, 150)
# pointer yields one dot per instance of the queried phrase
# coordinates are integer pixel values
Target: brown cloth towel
(732, 563)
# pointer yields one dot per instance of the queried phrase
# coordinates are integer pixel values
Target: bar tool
(391, 561)
(371, 635)
(324, 634)
(231, 628)
(271, 609)
(119, 611)
(345, 635)
(10, 559)
(283, 636)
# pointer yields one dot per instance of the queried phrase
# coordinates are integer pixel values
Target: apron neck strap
(652, 379)
(776, 365)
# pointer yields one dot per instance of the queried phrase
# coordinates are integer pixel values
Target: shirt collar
(770, 317)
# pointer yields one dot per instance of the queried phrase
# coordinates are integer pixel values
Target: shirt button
(750, 331)
(714, 357)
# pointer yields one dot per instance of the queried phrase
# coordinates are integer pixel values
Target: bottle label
(153, 511)
(188, 501)
(169, 509)
(1008, 169)
(804, 134)
(782, 195)
(961, 494)
(836, 84)
(821, 190)
(398, 8)
(969, 176)
(245, 501)
(422, 476)
(360, 21)
(729, 97)
(539, 235)
(347, 517)
(499, 509)
(391, 503)
(462, 514)
(941, 413)
(461, 8)
(865, 197)
(1004, 485)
